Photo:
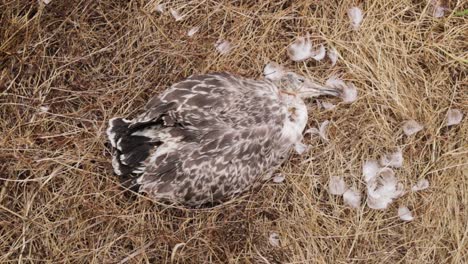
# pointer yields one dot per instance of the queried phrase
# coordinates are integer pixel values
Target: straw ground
(69, 66)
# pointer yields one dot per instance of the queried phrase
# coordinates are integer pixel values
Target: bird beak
(287, 92)
(313, 89)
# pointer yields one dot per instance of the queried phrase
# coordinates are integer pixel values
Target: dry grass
(91, 60)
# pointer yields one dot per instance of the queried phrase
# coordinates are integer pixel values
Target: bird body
(208, 138)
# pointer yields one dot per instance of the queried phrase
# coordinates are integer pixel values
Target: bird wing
(223, 163)
(213, 100)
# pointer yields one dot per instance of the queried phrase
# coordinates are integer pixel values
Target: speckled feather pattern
(214, 136)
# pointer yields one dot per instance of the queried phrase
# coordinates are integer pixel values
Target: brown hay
(92, 60)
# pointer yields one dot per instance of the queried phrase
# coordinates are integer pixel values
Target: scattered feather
(333, 55)
(160, 8)
(323, 130)
(405, 214)
(193, 31)
(274, 239)
(400, 190)
(176, 14)
(335, 82)
(454, 117)
(312, 131)
(352, 197)
(349, 93)
(337, 185)
(320, 53)
(223, 47)
(278, 178)
(377, 202)
(382, 189)
(411, 127)
(394, 159)
(273, 71)
(327, 105)
(301, 148)
(44, 109)
(301, 49)
(422, 184)
(370, 169)
(439, 11)
(355, 16)
(439, 8)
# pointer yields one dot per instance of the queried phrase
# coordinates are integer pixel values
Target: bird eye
(301, 80)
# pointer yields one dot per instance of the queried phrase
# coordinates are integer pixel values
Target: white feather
(355, 17)
(320, 53)
(193, 31)
(333, 55)
(223, 47)
(335, 82)
(439, 11)
(337, 185)
(312, 131)
(454, 117)
(176, 14)
(370, 169)
(327, 105)
(160, 8)
(300, 148)
(439, 8)
(323, 130)
(422, 184)
(279, 178)
(349, 93)
(352, 197)
(149, 132)
(411, 127)
(405, 214)
(377, 202)
(115, 165)
(122, 158)
(382, 189)
(139, 170)
(301, 49)
(274, 239)
(394, 159)
(400, 190)
(44, 109)
(273, 71)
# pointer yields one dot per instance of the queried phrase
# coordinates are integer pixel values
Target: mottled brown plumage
(210, 137)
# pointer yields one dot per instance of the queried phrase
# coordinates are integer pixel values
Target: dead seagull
(213, 136)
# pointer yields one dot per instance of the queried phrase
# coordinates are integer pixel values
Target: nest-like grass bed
(69, 66)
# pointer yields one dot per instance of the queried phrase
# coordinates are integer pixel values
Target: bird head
(295, 84)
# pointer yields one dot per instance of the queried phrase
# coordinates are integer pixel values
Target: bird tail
(118, 127)
(130, 149)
